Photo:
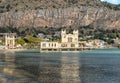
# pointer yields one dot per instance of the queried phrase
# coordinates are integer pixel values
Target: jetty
(67, 49)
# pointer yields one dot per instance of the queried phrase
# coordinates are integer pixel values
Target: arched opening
(70, 39)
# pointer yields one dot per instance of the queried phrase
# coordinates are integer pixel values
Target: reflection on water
(70, 69)
(99, 66)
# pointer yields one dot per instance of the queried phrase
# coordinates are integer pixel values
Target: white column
(6, 41)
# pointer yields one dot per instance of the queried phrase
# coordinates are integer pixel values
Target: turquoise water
(91, 66)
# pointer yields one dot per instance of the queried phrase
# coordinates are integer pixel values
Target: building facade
(8, 40)
(69, 41)
(69, 37)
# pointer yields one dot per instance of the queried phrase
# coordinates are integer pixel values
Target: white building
(95, 43)
(68, 42)
(41, 35)
(49, 45)
(9, 40)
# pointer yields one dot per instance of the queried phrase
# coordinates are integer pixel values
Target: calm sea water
(93, 66)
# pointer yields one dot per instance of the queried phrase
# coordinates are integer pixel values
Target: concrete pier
(66, 49)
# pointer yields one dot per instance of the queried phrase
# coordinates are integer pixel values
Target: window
(44, 45)
(55, 45)
(69, 39)
(72, 45)
(52, 45)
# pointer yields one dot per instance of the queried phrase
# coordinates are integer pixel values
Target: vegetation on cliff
(22, 5)
(93, 18)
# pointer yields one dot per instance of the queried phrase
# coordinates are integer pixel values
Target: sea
(88, 66)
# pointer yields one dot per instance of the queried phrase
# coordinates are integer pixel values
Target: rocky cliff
(58, 13)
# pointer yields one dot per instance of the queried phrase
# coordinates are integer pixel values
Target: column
(6, 41)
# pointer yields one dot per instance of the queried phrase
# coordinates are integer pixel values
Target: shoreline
(12, 50)
(15, 50)
(23, 49)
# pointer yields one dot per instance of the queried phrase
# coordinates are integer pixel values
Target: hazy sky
(113, 1)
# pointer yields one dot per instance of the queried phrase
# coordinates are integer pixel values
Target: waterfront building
(69, 41)
(9, 39)
(95, 43)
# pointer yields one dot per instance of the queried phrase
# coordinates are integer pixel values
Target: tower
(63, 35)
(76, 34)
(63, 32)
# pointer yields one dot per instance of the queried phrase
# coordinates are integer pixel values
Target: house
(95, 43)
(41, 35)
(57, 34)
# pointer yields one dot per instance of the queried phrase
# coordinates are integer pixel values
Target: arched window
(55, 45)
(70, 39)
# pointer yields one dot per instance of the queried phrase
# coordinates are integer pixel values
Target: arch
(70, 39)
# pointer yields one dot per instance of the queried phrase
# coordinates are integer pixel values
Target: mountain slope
(17, 5)
(33, 14)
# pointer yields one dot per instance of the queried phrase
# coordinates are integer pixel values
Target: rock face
(17, 5)
(77, 15)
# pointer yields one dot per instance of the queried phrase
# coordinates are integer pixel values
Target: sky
(113, 1)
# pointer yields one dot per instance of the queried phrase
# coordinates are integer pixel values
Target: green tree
(118, 35)
(57, 39)
(32, 39)
(20, 41)
(113, 35)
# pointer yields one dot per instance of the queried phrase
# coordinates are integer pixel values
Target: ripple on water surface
(92, 66)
